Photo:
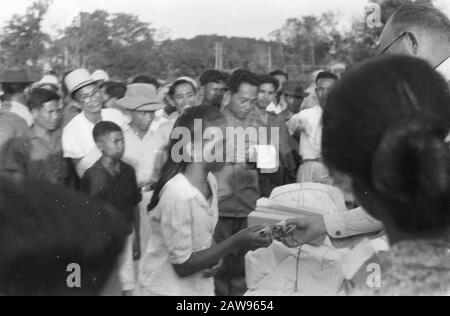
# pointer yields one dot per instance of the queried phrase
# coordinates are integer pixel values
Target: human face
(184, 97)
(294, 103)
(112, 145)
(214, 93)
(244, 101)
(266, 95)
(90, 98)
(142, 120)
(49, 117)
(323, 89)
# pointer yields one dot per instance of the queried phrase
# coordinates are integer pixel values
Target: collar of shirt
(190, 192)
(444, 69)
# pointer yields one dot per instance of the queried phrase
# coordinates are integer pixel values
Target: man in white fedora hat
(144, 147)
(78, 142)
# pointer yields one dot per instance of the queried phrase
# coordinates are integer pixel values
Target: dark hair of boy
(38, 97)
(326, 75)
(240, 77)
(148, 80)
(268, 79)
(213, 76)
(105, 128)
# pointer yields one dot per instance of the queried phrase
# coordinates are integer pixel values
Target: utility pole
(269, 63)
(219, 56)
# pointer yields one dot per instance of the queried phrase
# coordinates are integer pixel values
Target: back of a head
(385, 125)
(115, 90)
(421, 17)
(45, 228)
(105, 128)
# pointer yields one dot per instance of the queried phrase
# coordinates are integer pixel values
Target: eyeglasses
(88, 96)
(398, 38)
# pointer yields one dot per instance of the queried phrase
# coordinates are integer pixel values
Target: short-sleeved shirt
(309, 122)
(120, 191)
(182, 224)
(34, 156)
(144, 154)
(78, 141)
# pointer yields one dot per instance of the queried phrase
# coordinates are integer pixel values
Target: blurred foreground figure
(44, 230)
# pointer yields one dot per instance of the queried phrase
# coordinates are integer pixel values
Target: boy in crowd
(114, 182)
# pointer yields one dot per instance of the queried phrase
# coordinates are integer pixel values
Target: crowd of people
(85, 144)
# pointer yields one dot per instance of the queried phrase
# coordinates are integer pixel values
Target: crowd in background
(381, 128)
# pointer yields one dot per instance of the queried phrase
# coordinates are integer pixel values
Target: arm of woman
(246, 240)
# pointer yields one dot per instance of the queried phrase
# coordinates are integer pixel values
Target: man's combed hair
(105, 128)
(279, 73)
(326, 75)
(424, 17)
(38, 97)
(268, 79)
(213, 76)
(240, 77)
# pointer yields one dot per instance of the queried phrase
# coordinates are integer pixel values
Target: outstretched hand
(308, 228)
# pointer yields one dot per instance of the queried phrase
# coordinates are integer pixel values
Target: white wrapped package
(280, 271)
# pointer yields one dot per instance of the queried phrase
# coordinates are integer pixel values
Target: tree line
(124, 45)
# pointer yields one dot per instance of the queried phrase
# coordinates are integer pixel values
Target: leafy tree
(23, 41)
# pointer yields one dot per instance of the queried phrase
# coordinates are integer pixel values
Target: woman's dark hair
(38, 97)
(210, 116)
(44, 229)
(385, 125)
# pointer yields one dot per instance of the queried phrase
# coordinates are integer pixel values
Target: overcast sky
(187, 18)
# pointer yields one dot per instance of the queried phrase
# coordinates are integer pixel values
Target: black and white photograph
(225, 154)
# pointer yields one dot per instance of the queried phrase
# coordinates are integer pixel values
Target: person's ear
(413, 44)
(226, 99)
(170, 102)
(35, 113)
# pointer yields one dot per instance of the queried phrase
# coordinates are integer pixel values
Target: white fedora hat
(78, 79)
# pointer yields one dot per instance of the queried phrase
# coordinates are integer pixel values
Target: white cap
(78, 79)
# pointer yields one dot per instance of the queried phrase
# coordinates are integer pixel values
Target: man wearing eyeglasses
(420, 31)
(78, 142)
(415, 30)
